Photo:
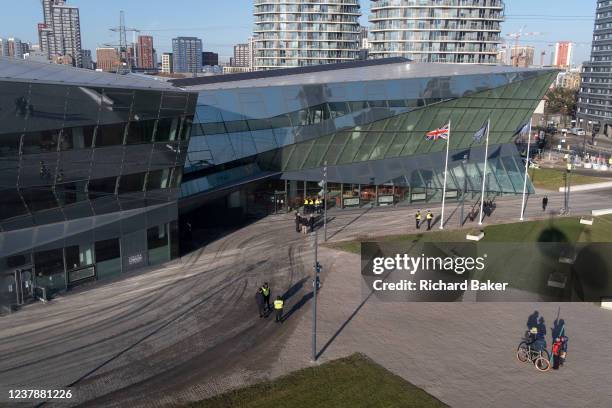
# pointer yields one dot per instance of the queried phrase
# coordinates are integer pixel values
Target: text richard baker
(430, 285)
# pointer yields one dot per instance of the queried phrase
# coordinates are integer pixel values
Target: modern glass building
(303, 32)
(450, 31)
(90, 170)
(594, 110)
(261, 139)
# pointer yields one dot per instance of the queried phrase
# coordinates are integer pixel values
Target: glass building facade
(367, 121)
(303, 32)
(90, 171)
(448, 31)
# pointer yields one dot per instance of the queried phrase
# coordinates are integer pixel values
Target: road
(189, 329)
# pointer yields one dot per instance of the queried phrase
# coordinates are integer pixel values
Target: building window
(78, 256)
(158, 244)
(110, 135)
(40, 142)
(131, 183)
(166, 129)
(158, 179)
(101, 187)
(140, 132)
(108, 258)
(49, 267)
(77, 138)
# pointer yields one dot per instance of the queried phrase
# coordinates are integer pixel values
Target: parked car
(578, 131)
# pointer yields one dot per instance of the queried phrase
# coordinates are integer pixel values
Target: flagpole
(484, 173)
(526, 173)
(445, 175)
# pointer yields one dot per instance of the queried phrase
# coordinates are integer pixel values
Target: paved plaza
(189, 329)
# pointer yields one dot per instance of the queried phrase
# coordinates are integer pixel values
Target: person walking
(259, 298)
(311, 223)
(297, 222)
(278, 308)
(265, 290)
(544, 203)
(417, 218)
(429, 217)
(305, 205)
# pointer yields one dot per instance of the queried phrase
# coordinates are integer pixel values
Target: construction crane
(516, 37)
(124, 55)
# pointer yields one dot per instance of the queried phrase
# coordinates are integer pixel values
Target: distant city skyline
(222, 25)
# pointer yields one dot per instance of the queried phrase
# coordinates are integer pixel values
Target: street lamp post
(314, 298)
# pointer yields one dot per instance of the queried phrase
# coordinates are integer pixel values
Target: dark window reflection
(48, 263)
(102, 187)
(117, 98)
(39, 198)
(9, 144)
(158, 179)
(166, 129)
(186, 128)
(11, 204)
(140, 132)
(110, 135)
(40, 142)
(177, 176)
(213, 128)
(70, 193)
(237, 126)
(77, 138)
(157, 237)
(130, 183)
(78, 256)
(107, 250)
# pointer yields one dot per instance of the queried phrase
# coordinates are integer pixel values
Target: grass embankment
(354, 381)
(566, 229)
(553, 179)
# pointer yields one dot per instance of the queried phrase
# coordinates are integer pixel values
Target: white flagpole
(526, 173)
(445, 174)
(484, 174)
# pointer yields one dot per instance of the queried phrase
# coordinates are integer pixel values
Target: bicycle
(526, 351)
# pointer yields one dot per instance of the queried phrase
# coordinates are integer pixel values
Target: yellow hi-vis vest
(305, 201)
(311, 202)
(278, 304)
(429, 216)
(266, 291)
(418, 216)
(317, 202)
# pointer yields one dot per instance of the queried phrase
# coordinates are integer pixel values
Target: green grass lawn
(354, 381)
(553, 179)
(563, 229)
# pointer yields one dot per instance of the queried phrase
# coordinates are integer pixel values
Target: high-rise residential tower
(595, 97)
(166, 63)
(303, 32)
(563, 54)
(187, 54)
(60, 33)
(447, 31)
(144, 52)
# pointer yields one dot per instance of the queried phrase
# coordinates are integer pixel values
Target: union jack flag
(440, 133)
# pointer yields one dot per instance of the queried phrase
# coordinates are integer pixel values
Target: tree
(562, 101)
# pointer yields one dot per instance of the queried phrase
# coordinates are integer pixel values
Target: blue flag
(481, 132)
(523, 128)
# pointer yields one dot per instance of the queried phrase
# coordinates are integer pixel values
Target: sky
(223, 23)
